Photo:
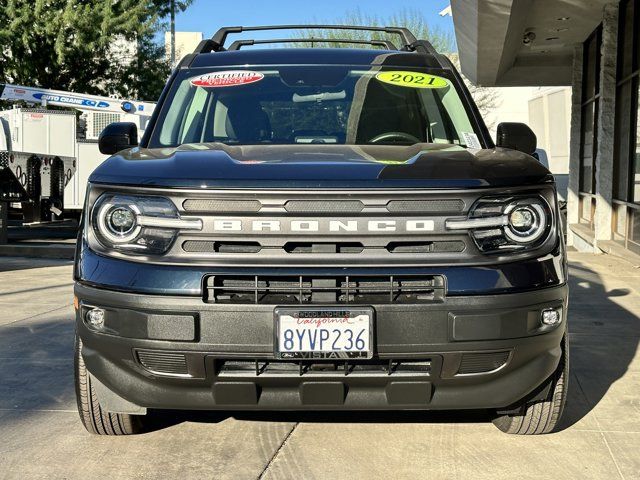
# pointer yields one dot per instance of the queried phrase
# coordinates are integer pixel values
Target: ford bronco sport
(320, 229)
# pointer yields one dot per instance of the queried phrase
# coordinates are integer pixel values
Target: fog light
(551, 316)
(95, 318)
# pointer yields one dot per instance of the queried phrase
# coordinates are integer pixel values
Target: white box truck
(45, 158)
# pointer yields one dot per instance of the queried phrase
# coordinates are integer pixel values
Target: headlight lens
(118, 223)
(507, 223)
(121, 220)
(136, 224)
(527, 221)
(521, 219)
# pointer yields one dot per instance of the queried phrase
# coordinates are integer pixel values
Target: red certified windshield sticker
(227, 78)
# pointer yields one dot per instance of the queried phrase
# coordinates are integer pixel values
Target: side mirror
(517, 136)
(118, 136)
(542, 157)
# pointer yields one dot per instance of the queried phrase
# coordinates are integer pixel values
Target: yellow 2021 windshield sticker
(412, 79)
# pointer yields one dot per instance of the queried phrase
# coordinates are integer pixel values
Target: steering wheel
(388, 137)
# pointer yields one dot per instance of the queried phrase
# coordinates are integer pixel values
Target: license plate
(323, 333)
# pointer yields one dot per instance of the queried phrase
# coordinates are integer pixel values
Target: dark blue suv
(320, 229)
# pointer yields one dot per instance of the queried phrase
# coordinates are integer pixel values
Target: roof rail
(238, 44)
(216, 43)
(425, 47)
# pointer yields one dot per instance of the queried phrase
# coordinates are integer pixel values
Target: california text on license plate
(323, 333)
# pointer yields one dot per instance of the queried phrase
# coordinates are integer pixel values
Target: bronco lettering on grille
(335, 226)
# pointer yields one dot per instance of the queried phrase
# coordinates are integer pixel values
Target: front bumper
(177, 352)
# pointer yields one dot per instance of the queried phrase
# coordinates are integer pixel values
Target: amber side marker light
(76, 302)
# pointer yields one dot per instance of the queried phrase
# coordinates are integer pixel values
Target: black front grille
(309, 368)
(426, 247)
(322, 248)
(347, 289)
(221, 205)
(205, 246)
(308, 247)
(426, 206)
(324, 206)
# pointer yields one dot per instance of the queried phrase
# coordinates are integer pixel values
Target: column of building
(606, 124)
(573, 198)
(605, 134)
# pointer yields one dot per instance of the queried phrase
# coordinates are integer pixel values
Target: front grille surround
(400, 247)
(228, 237)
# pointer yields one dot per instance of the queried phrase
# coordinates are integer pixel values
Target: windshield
(314, 104)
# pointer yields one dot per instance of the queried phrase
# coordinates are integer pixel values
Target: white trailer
(45, 159)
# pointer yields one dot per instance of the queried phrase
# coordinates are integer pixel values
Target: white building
(592, 46)
(186, 42)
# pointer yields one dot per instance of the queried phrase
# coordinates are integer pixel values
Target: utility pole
(173, 33)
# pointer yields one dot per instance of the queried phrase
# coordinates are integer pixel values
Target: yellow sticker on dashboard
(412, 79)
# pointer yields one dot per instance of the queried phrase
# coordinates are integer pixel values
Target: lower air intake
(482, 362)
(163, 363)
(347, 289)
(257, 368)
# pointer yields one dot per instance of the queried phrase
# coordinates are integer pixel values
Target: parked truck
(46, 155)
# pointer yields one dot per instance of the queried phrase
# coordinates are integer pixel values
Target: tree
(486, 99)
(168, 8)
(144, 76)
(414, 20)
(88, 46)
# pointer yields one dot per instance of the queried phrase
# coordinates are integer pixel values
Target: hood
(217, 165)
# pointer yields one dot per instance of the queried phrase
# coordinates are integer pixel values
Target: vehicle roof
(314, 56)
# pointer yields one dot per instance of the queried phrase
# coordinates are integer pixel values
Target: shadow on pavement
(604, 337)
(10, 264)
(161, 419)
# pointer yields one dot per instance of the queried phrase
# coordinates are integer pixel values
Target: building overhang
(491, 39)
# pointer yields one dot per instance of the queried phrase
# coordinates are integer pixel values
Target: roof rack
(216, 43)
(238, 44)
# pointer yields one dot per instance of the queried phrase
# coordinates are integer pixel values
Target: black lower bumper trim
(464, 353)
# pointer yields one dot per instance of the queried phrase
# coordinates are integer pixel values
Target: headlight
(137, 224)
(507, 223)
(117, 222)
(527, 221)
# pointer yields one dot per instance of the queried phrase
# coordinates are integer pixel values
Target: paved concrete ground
(41, 436)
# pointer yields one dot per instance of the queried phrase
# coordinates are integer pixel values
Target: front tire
(541, 417)
(93, 417)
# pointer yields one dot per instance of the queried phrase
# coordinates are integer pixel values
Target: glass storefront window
(622, 142)
(626, 168)
(590, 105)
(636, 161)
(589, 116)
(626, 40)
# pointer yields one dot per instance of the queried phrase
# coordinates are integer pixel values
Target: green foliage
(444, 42)
(487, 99)
(414, 20)
(144, 76)
(87, 46)
(163, 7)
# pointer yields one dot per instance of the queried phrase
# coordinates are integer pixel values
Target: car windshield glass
(314, 104)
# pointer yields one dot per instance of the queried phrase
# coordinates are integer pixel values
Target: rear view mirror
(517, 136)
(118, 136)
